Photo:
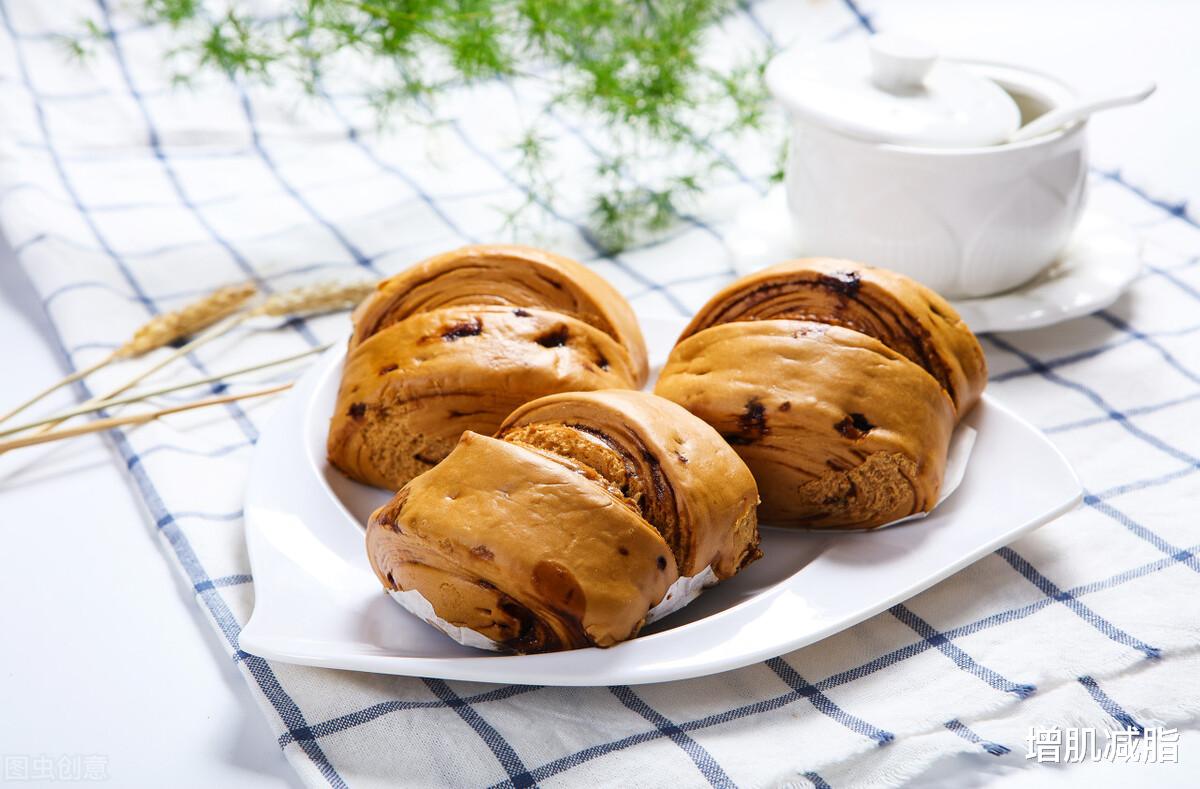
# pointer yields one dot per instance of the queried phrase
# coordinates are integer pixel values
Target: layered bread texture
(458, 341)
(839, 385)
(568, 529)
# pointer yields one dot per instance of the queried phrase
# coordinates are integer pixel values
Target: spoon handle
(1082, 108)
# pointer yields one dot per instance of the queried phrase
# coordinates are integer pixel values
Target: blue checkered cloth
(124, 198)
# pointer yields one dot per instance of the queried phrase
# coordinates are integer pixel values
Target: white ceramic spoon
(1082, 108)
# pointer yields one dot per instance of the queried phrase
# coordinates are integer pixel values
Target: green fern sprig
(634, 68)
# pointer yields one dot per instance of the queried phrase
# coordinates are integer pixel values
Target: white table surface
(104, 650)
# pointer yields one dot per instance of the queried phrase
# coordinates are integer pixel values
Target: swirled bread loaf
(508, 275)
(457, 342)
(838, 384)
(838, 429)
(900, 312)
(568, 530)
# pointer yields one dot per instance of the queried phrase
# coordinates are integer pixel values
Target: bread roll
(410, 390)
(458, 341)
(839, 430)
(593, 513)
(511, 275)
(900, 312)
(673, 469)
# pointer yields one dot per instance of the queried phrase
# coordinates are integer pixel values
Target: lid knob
(898, 64)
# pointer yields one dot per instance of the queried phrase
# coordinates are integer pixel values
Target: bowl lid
(895, 90)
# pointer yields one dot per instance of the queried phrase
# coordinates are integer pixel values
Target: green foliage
(631, 67)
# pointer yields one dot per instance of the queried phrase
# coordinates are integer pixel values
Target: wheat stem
(323, 296)
(87, 408)
(206, 336)
(217, 314)
(133, 419)
(159, 331)
(70, 379)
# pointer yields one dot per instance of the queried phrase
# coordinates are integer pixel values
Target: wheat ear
(186, 321)
(313, 299)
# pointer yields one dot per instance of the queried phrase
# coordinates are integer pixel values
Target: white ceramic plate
(1100, 262)
(318, 603)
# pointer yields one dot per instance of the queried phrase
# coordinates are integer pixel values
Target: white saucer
(1100, 262)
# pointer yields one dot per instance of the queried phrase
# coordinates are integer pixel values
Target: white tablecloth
(124, 198)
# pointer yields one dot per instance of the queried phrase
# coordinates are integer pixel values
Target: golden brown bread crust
(411, 389)
(673, 469)
(901, 313)
(564, 533)
(521, 549)
(505, 274)
(839, 430)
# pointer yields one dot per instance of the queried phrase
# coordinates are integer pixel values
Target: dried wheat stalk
(146, 394)
(133, 419)
(303, 300)
(208, 319)
(159, 331)
(206, 336)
